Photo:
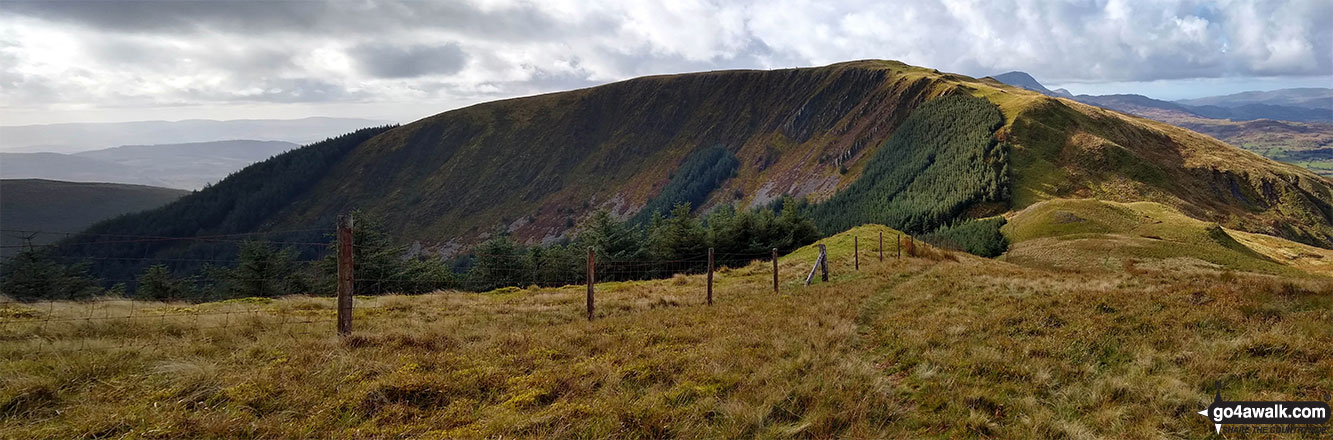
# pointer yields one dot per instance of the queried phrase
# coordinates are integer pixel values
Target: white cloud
(431, 55)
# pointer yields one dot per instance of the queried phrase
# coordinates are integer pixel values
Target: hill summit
(535, 167)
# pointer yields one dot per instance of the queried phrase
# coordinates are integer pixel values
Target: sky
(105, 61)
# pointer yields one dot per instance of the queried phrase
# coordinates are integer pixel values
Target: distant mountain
(183, 166)
(1022, 79)
(54, 206)
(1315, 98)
(76, 137)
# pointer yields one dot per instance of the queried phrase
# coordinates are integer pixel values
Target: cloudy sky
(68, 61)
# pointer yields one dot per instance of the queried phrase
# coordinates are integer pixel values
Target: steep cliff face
(536, 166)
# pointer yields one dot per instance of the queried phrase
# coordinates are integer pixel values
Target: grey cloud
(311, 18)
(174, 16)
(288, 90)
(388, 61)
(218, 52)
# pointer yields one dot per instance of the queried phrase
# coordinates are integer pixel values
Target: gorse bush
(940, 161)
(978, 237)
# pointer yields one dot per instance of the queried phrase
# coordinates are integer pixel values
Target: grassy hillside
(948, 346)
(1065, 149)
(1291, 125)
(1307, 144)
(536, 166)
(54, 206)
(1094, 235)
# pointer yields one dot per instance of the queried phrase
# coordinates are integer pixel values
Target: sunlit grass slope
(1088, 234)
(947, 346)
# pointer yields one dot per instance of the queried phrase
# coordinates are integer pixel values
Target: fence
(50, 325)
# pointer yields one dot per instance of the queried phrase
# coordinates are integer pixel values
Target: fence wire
(127, 319)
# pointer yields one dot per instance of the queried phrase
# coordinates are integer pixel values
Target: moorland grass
(948, 346)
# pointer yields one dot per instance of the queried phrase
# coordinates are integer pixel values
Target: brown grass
(915, 347)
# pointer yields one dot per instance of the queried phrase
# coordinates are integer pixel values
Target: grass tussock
(936, 344)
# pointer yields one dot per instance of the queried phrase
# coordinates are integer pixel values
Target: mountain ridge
(535, 167)
(1273, 131)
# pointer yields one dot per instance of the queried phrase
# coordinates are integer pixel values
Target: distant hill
(1296, 105)
(1130, 103)
(77, 137)
(1283, 125)
(58, 166)
(537, 166)
(54, 206)
(1309, 97)
(184, 166)
(1251, 112)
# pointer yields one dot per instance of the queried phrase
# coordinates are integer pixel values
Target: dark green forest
(977, 237)
(942, 160)
(624, 250)
(699, 174)
(241, 203)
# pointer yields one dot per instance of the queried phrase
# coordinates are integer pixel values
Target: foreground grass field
(945, 346)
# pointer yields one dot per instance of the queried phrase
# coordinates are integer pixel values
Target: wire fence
(237, 292)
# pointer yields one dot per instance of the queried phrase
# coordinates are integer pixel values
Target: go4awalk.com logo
(1298, 417)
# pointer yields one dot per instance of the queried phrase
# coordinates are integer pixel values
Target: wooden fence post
(823, 263)
(820, 261)
(775, 271)
(710, 276)
(592, 276)
(346, 279)
(899, 247)
(856, 252)
(881, 246)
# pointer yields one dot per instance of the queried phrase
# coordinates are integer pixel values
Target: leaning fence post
(881, 246)
(823, 263)
(592, 276)
(775, 270)
(710, 276)
(856, 252)
(346, 279)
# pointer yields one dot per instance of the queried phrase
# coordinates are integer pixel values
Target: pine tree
(264, 271)
(156, 283)
(33, 275)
